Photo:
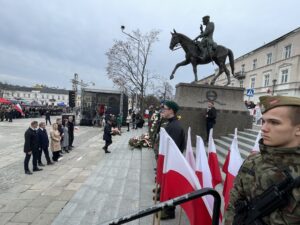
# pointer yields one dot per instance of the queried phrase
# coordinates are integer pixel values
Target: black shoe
(106, 151)
(28, 172)
(104, 148)
(37, 169)
(67, 151)
(41, 164)
(50, 163)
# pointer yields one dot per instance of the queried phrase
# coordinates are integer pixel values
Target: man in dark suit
(71, 131)
(211, 116)
(31, 146)
(47, 117)
(43, 144)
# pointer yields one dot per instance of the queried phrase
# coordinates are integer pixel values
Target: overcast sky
(47, 41)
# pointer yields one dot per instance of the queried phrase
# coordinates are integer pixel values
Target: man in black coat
(71, 131)
(47, 117)
(107, 136)
(31, 147)
(176, 132)
(43, 144)
(211, 116)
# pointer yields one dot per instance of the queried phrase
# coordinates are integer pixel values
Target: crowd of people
(8, 112)
(37, 142)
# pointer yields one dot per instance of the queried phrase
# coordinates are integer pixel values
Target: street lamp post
(138, 57)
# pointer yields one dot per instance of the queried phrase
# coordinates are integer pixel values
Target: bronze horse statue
(192, 53)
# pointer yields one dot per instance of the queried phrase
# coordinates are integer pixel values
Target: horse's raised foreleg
(183, 63)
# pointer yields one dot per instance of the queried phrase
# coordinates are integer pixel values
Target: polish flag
(189, 154)
(19, 109)
(180, 179)
(213, 161)
(256, 145)
(203, 172)
(161, 155)
(234, 164)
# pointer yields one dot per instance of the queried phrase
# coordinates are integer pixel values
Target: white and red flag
(19, 109)
(256, 145)
(203, 172)
(189, 154)
(213, 161)
(234, 164)
(161, 155)
(179, 179)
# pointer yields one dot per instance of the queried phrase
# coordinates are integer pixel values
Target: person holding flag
(278, 162)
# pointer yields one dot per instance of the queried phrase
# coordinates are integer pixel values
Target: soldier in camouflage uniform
(279, 151)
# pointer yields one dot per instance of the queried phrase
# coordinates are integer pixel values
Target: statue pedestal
(228, 101)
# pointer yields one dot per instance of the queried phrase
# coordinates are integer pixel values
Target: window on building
(35, 95)
(47, 96)
(241, 83)
(254, 64)
(63, 97)
(266, 80)
(58, 97)
(7, 94)
(18, 95)
(43, 96)
(243, 69)
(252, 82)
(287, 51)
(269, 58)
(28, 95)
(284, 76)
(53, 97)
(24, 95)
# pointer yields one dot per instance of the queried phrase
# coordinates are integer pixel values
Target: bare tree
(165, 91)
(127, 62)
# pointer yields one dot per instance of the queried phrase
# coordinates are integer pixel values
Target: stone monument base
(228, 101)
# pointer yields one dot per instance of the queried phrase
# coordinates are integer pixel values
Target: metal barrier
(173, 202)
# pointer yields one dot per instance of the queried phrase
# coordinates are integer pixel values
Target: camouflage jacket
(259, 172)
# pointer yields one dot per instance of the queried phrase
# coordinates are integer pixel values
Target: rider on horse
(207, 45)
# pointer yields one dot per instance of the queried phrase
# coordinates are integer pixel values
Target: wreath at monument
(142, 141)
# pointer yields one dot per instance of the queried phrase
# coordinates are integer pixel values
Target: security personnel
(176, 132)
(279, 152)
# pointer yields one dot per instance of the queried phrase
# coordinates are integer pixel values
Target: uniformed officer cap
(172, 105)
(270, 102)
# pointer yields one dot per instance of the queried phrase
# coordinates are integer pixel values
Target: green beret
(172, 105)
(270, 102)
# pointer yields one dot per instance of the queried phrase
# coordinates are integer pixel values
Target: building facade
(273, 68)
(38, 96)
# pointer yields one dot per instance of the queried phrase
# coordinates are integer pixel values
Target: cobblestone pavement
(85, 187)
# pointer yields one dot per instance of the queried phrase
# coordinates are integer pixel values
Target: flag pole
(155, 201)
(180, 215)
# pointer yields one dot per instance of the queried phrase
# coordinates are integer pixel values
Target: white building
(42, 96)
(273, 68)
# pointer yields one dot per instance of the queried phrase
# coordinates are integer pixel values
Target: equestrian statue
(203, 52)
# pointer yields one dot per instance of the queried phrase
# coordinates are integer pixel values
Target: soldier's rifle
(275, 197)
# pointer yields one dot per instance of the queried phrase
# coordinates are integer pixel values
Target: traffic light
(72, 99)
